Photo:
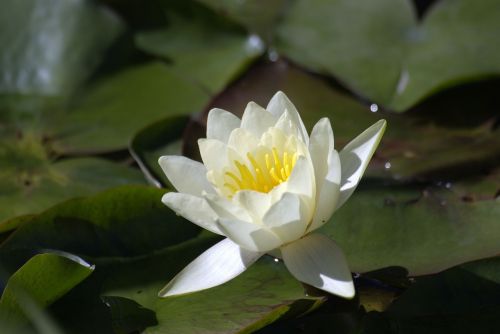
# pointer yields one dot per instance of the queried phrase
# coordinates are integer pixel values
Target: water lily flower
(266, 185)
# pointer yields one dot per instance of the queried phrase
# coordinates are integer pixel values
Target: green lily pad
(258, 17)
(122, 222)
(113, 109)
(160, 138)
(261, 295)
(50, 47)
(202, 50)
(30, 182)
(412, 148)
(424, 230)
(38, 283)
(391, 59)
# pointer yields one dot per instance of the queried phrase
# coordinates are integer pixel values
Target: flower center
(265, 171)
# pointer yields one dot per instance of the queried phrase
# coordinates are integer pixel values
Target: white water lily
(267, 186)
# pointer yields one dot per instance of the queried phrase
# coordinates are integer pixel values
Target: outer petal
(186, 175)
(219, 264)
(318, 261)
(277, 106)
(194, 209)
(320, 147)
(326, 201)
(251, 236)
(220, 123)
(355, 157)
(287, 218)
(256, 119)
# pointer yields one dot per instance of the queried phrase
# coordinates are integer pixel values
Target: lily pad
(412, 147)
(113, 109)
(424, 230)
(257, 16)
(160, 138)
(261, 295)
(50, 47)
(38, 283)
(30, 182)
(392, 59)
(123, 222)
(202, 50)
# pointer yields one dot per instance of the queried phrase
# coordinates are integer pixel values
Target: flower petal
(277, 106)
(318, 261)
(256, 203)
(355, 157)
(301, 181)
(220, 123)
(213, 153)
(186, 175)
(326, 200)
(242, 141)
(287, 218)
(256, 119)
(219, 264)
(320, 146)
(251, 236)
(195, 209)
(225, 208)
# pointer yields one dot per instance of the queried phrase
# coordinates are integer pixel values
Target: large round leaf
(202, 50)
(50, 46)
(390, 58)
(423, 230)
(30, 182)
(126, 221)
(115, 108)
(37, 284)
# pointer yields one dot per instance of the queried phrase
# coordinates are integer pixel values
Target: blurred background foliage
(93, 92)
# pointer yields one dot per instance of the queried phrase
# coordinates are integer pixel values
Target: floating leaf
(113, 109)
(424, 230)
(123, 222)
(391, 59)
(38, 283)
(49, 47)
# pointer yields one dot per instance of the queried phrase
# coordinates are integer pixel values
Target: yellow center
(272, 170)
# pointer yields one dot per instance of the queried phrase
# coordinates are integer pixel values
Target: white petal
(213, 153)
(220, 123)
(355, 157)
(287, 218)
(217, 265)
(194, 209)
(277, 106)
(224, 208)
(251, 236)
(256, 203)
(318, 261)
(301, 181)
(320, 146)
(242, 141)
(256, 119)
(186, 175)
(286, 124)
(326, 201)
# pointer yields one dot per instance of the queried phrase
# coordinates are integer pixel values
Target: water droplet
(254, 43)
(373, 107)
(448, 185)
(276, 260)
(272, 55)
(387, 165)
